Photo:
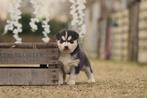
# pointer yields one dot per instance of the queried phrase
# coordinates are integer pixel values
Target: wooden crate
(29, 53)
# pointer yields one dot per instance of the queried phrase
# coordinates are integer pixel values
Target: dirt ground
(114, 80)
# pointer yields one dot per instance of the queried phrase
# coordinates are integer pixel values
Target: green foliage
(2, 26)
(25, 24)
(55, 26)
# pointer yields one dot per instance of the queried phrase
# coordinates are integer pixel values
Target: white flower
(18, 39)
(46, 31)
(15, 15)
(33, 24)
(78, 15)
(38, 6)
(46, 39)
(15, 31)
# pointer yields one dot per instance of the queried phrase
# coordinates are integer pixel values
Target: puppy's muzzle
(66, 48)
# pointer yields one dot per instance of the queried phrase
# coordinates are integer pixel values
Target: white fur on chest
(68, 62)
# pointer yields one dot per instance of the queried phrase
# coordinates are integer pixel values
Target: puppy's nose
(65, 47)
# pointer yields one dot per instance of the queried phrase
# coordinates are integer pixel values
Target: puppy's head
(67, 41)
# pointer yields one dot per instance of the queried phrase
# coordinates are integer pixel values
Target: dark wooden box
(29, 53)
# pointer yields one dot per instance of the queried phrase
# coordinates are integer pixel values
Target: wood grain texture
(29, 76)
(28, 53)
(29, 45)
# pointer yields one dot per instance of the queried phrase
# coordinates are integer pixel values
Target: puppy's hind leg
(89, 73)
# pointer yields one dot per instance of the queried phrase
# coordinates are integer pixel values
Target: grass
(114, 80)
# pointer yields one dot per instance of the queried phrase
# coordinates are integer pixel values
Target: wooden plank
(45, 76)
(143, 14)
(121, 29)
(143, 5)
(142, 24)
(142, 57)
(121, 38)
(20, 65)
(119, 51)
(120, 14)
(29, 45)
(119, 56)
(53, 65)
(28, 56)
(143, 48)
(119, 47)
(143, 39)
(29, 76)
(28, 53)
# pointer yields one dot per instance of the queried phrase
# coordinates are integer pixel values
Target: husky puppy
(74, 60)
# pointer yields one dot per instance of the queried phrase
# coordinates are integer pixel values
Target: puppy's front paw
(71, 82)
(91, 80)
(60, 82)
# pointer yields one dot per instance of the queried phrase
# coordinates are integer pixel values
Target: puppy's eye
(71, 42)
(61, 41)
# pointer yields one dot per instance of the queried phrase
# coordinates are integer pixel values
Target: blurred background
(116, 29)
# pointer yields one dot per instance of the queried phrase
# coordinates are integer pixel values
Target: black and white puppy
(73, 59)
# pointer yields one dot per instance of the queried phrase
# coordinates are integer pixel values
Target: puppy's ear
(76, 35)
(58, 36)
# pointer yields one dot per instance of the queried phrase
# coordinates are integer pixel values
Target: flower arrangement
(78, 15)
(13, 23)
(37, 5)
